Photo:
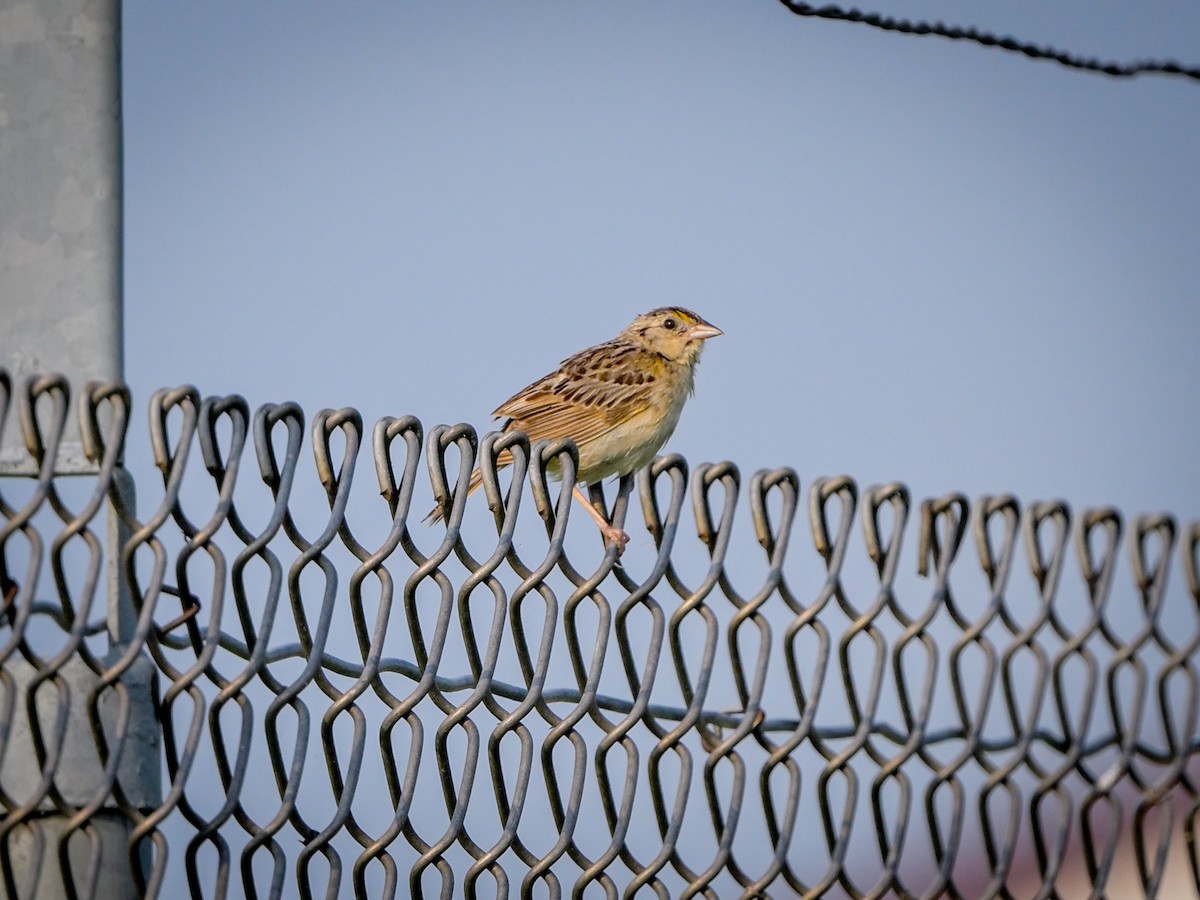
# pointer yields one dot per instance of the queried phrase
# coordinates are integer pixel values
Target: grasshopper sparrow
(618, 401)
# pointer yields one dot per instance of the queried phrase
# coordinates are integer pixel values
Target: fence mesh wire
(297, 689)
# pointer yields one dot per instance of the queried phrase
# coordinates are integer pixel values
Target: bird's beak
(703, 332)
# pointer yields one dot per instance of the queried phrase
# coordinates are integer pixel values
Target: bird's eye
(670, 324)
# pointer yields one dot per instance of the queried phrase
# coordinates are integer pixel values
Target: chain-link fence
(252, 682)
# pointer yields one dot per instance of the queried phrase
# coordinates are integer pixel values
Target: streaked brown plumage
(619, 401)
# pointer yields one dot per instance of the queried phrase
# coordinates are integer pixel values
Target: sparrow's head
(672, 331)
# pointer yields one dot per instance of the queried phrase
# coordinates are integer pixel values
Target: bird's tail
(437, 512)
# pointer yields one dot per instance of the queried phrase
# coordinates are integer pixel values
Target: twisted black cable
(1012, 45)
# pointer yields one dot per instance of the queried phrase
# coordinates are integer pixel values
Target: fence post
(60, 201)
(61, 311)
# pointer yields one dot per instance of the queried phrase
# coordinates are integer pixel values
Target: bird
(619, 401)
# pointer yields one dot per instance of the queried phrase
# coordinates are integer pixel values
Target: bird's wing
(590, 394)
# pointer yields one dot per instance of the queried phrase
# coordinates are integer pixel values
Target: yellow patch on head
(684, 315)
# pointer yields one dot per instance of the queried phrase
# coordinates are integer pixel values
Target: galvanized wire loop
(56, 388)
(6, 393)
(94, 397)
(438, 441)
(941, 549)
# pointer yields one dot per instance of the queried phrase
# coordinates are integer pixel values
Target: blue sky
(933, 262)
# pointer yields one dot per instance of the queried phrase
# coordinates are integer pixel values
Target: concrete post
(60, 201)
(60, 311)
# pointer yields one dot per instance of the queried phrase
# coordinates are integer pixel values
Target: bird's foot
(616, 536)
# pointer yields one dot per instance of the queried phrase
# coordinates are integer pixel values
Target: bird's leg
(611, 532)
